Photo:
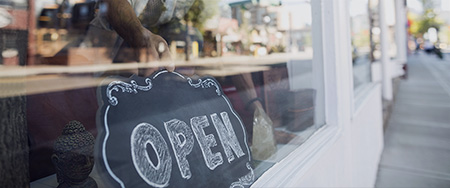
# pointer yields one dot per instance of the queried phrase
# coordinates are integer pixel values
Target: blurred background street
(417, 139)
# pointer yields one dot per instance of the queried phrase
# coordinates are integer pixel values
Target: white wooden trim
(318, 59)
(300, 160)
(385, 62)
(363, 95)
(400, 30)
(339, 86)
(332, 66)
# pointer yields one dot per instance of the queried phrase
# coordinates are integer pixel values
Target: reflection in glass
(260, 52)
(363, 36)
(390, 13)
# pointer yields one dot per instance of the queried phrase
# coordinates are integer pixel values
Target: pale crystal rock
(263, 143)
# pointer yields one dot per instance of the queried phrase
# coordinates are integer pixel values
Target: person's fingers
(153, 55)
(162, 48)
(166, 57)
(148, 55)
(169, 65)
(137, 55)
(163, 51)
(154, 49)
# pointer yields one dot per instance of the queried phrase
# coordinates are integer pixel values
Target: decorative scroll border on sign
(133, 87)
(245, 180)
(205, 84)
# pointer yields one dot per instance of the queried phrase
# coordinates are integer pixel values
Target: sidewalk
(417, 139)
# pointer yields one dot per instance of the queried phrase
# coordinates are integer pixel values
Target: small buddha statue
(73, 157)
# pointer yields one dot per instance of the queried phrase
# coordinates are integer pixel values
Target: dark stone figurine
(73, 157)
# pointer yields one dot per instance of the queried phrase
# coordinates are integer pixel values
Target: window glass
(17, 4)
(362, 38)
(54, 65)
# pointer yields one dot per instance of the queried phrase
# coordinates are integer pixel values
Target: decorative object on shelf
(73, 156)
(263, 143)
(299, 114)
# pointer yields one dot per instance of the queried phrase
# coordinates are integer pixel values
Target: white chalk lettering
(157, 175)
(206, 142)
(227, 136)
(182, 142)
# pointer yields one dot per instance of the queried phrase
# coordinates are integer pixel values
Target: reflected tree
(428, 19)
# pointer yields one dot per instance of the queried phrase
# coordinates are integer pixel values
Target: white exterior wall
(367, 138)
(347, 150)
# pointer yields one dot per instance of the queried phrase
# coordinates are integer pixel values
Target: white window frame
(359, 94)
(381, 69)
(332, 59)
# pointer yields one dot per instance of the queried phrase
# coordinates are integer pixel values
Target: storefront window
(362, 41)
(62, 71)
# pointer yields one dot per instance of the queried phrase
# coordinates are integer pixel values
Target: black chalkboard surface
(168, 130)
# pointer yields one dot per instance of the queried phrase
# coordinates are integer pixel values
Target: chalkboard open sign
(169, 130)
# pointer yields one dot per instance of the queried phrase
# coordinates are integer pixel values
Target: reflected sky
(415, 5)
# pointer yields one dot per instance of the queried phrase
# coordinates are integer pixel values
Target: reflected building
(272, 26)
(16, 32)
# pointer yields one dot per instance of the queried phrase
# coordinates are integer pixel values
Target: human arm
(244, 84)
(123, 20)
